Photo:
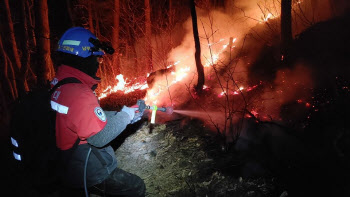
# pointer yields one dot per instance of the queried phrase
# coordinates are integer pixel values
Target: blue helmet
(77, 41)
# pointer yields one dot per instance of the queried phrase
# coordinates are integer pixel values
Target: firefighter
(83, 128)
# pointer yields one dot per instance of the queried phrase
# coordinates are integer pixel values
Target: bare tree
(26, 51)
(218, 3)
(12, 53)
(8, 85)
(44, 71)
(70, 13)
(286, 28)
(115, 37)
(29, 7)
(91, 23)
(200, 69)
(148, 35)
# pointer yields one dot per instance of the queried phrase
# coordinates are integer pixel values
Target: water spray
(142, 107)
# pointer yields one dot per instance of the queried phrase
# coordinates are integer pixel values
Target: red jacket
(79, 112)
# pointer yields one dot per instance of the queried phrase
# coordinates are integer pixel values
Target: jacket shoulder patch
(100, 114)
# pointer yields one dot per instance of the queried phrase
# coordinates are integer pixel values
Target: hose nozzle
(168, 110)
(142, 107)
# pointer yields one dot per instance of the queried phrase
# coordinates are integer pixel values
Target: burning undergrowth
(240, 73)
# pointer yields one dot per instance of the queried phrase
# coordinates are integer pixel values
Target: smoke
(215, 31)
(290, 86)
(238, 22)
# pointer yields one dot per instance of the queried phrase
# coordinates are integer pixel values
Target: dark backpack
(33, 140)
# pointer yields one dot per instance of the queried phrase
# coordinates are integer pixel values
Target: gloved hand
(137, 117)
(130, 111)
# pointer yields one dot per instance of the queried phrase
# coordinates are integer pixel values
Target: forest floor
(177, 159)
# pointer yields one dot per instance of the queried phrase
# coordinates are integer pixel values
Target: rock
(284, 194)
(153, 153)
(251, 193)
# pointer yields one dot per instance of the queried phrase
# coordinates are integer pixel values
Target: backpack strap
(64, 81)
(61, 83)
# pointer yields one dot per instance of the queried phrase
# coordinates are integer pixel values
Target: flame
(222, 94)
(123, 86)
(215, 56)
(255, 113)
(269, 15)
(251, 88)
(180, 72)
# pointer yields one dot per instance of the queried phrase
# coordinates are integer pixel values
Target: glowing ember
(269, 15)
(254, 113)
(221, 94)
(215, 57)
(251, 88)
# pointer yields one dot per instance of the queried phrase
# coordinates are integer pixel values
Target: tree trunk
(200, 69)
(91, 23)
(148, 36)
(97, 23)
(171, 15)
(115, 38)
(11, 36)
(286, 29)
(69, 10)
(131, 50)
(44, 71)
(31, 24)
(31, 76)
(8, 86)
(25, 48)
(10, 46)
(218, 3)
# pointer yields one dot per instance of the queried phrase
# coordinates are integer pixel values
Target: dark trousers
(121, 183)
